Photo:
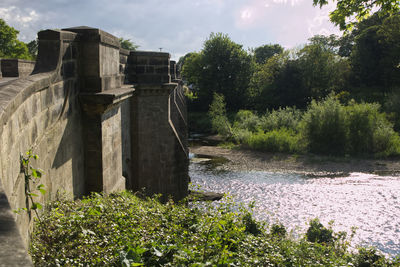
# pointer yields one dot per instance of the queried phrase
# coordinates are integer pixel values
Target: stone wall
(158, 156)
(41, 112)
(16, 67)
(100, 118)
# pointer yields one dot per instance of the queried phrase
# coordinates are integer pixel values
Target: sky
(176, 26)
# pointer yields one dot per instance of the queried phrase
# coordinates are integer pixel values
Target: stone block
(68, 69)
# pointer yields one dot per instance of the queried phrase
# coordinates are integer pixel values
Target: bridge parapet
(101, 118)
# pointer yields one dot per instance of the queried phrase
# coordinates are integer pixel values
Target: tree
(294, 78)
(10, 46)
(375, 57)
(263, 53)
(347, 10)
(323, 71)
(33, 48)
(182, 60)
(222, 67)
(127, 44)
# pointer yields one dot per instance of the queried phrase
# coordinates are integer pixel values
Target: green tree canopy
(375, 56)
(263, 53)
(33, 48)
(222, 67)
(182, 60)
(349, 12)
(293, 78)
(127, 44)
(10, 46)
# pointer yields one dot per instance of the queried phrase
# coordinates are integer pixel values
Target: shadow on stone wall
(100, 118)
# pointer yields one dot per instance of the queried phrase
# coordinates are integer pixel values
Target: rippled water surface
(367, 201)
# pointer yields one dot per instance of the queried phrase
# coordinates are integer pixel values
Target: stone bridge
(100, 118)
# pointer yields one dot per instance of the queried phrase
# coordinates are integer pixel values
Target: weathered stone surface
(16, 67)
(91, 131)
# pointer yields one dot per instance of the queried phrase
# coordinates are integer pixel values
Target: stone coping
(19, 60)
(149, 53)
(56, 35)
(108, 97)
(88, 34)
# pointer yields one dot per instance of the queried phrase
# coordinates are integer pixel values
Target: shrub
(369, 257)
(219, 119)
(124, 230)
(282, 140)
(324, 127)
(246, 119)
(278, 230)
(369, 131)
(288, 117)
(318, 233)
(241, 136)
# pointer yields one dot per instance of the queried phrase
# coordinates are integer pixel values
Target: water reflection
(370, 202)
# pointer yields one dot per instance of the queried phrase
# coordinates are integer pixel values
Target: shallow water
(369, 202)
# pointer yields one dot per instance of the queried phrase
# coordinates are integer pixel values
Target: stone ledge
(89, 34)
(98, 103)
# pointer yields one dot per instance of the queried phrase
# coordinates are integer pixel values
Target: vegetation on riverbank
(124, 230)
(326, 127)
(335, 95)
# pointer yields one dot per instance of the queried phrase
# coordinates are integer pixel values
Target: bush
(369, 131)
(282, 140)
(324, 127)
(219, 119)
(357, 129)
(282, 118)
(368, 257)
(246, 119)
(124, 230)
(317, 233)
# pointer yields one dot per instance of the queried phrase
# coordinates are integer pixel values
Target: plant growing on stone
(32, 187)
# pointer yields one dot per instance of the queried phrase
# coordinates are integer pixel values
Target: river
(369, 202)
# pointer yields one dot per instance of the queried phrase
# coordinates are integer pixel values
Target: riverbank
(245, 159)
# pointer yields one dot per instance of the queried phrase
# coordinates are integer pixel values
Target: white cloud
(320, 23)
(22, 20)
(292, 2)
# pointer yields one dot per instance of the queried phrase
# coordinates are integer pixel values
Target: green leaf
(36, 205)
(42, 191)
(40, 186)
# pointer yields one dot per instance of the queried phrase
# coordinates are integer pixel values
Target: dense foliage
(127, 44)
(124, 230)
(362, 65)
(222, 67)
(348, 12)
(326, 127)
(10, 46)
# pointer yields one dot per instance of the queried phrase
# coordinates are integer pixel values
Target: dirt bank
(243, 159)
